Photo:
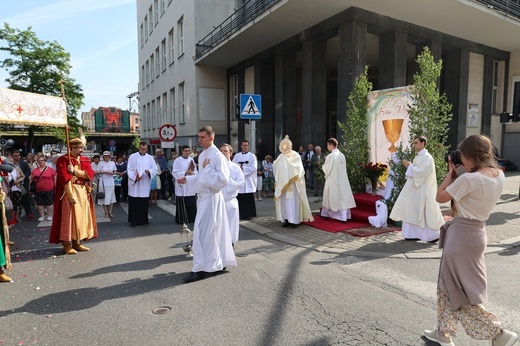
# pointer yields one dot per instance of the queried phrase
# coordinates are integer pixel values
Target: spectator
(307, 165)
(121, 188)
(106, 170)
(45, 178)
(163, 168)
(268, 181)
(462, 283)
(315, 166)
(26, 170)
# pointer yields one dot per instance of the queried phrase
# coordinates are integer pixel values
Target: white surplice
(337, 193)
(137, 164)
(180, 166)
(416, 205)
(212, 249)
(230, 192)
(249, 169)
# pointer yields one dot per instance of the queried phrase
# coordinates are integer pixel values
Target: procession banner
(388, 121)
(24, 108)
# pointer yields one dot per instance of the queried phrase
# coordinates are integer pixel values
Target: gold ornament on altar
(393, 132)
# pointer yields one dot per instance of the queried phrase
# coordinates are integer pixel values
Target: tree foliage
(354, 139)
(38, 66)
(429, 115)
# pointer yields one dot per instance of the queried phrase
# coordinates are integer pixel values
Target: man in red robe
(74, 217)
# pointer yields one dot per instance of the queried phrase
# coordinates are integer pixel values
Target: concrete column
(392, 60)
(456, 65)
(487, 95)
(314, 91)
(284, 97)
(352, 59)
(264, 80)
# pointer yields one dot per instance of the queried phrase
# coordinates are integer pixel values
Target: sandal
(110, 215)
(106, 215)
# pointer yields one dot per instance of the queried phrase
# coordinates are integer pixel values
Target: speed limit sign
(167, 133)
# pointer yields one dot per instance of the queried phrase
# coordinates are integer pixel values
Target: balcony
(266, 23)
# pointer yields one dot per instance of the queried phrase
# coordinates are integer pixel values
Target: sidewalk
(502, 229)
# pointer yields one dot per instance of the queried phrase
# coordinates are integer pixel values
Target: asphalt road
(278, 295)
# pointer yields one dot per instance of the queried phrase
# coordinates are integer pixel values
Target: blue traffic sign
(250, 106)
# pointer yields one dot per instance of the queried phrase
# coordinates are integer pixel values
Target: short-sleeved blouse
(475, 194)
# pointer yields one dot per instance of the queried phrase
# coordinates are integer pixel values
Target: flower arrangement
(373, 171)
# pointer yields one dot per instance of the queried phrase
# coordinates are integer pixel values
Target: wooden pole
(66, 119)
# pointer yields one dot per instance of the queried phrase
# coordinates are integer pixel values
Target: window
(234, 103)
(143, 81)
(163, 51)
(158, 112)
(152, 116)
(156, 12)
(157, 62)
(152, 68)
(182, 114)
(150, 23)
(147, 75)
(172, 105)
(145, 118)
(164, 111)
(171, 42)
(145, 28)
(180, 37)
(141, 30)
(163, 7)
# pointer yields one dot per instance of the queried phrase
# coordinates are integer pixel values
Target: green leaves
(354, 142)
(38, 66)
(429, 116)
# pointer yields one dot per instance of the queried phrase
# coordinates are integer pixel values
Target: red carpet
(357, 226)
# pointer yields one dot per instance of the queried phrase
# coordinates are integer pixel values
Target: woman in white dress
(106, 170)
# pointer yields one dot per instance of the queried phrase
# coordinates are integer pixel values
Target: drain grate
(161, 310)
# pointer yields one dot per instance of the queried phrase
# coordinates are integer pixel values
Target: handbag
(101, 194)
(32, 185)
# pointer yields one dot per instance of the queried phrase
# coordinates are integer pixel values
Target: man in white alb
(185, 194)
(416, 205)
(212, 249)
(246, 195)
(236, 181)
(141, 169)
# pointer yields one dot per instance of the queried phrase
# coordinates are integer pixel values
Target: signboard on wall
(388, 121)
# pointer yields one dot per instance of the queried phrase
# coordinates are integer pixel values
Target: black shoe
(412, 239)
(293, 225)
(194, 277)
(433, 241)
(285, 224)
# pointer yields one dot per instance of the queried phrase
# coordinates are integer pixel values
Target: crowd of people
(215, 189)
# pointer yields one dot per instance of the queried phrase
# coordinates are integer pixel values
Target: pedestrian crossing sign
(250, 106)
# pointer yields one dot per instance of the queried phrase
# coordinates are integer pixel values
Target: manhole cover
(161, 310)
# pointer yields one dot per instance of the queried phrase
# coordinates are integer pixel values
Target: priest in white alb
(141, 169)
(337, 193)
(290, 196)
(236, 181)
(212, 249)
(416, 205)
(246, 195)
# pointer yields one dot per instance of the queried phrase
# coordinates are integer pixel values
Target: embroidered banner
(23, 108)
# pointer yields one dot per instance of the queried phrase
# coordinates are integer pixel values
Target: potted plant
(374, 171)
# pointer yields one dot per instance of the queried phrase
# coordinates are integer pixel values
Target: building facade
(302, 57)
